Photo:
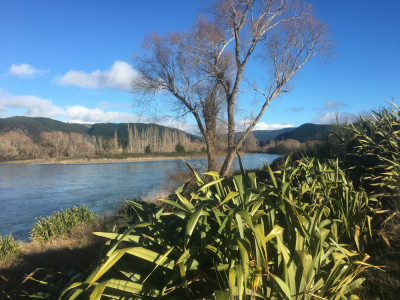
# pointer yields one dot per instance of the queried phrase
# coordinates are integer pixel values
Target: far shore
(100, 160)
(104, 160)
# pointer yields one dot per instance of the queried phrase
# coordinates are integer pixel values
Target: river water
(31, 191)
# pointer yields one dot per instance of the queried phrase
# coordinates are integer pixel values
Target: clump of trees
(15, 145)
(68, 144)
(158, 140)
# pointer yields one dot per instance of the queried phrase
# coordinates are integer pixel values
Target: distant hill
(266, 135)
(34, 126)
(307, 132)
(108, 129)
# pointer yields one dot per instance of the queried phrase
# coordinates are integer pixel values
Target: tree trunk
(210, 136)
(227, 162)
(210, 154)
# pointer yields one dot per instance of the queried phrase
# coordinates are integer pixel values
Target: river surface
(28, 192)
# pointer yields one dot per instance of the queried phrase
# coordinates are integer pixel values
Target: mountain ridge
(34, 126)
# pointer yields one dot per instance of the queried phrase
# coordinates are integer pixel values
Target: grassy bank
(123, 157)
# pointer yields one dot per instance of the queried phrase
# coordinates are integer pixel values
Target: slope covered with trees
(34, 126)
(25, 137)
(307, 132)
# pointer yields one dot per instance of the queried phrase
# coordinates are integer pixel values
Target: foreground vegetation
(60, 223)
(319, 224)
(8, 247)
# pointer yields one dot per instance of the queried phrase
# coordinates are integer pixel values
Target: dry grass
(77, 249)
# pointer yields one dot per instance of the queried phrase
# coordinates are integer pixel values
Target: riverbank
(101, 160)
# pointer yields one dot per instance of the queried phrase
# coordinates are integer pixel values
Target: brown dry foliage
(283, 147)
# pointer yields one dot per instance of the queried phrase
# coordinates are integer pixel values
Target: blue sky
(72, 60)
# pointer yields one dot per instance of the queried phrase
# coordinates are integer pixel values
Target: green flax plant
(233, 238)
(8, 247)
(60, 223)
(373, 155)
(312, 181)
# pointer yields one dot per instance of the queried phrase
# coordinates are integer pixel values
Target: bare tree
(203, 71)
(187, 67)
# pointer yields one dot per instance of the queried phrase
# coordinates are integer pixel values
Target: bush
(179, 148)
(60, 223)
(147, 149)
(8, 247)
(238, 238)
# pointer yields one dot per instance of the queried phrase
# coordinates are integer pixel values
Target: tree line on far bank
(59, 144)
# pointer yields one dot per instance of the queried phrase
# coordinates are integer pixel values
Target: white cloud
(24, 70)
(334, 117)
(119, 76)
(275, 126)
(244, 124)
(81, 114)
(34, 106)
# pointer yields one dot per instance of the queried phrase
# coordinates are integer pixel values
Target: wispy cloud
(331, 105)
(294, 109)
(24, 71)
(119, 76)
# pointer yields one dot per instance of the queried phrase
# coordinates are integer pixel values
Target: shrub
(179, 148)
(147, 149)
(8, 247)
(236, 238)
(60, 223)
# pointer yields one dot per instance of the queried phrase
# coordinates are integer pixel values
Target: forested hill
(108, 130)
(266, 135)
(307, 132)
(34, 126)
(302, 133)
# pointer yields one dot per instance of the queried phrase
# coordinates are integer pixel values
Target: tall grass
(8, 247)
(60, 223)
